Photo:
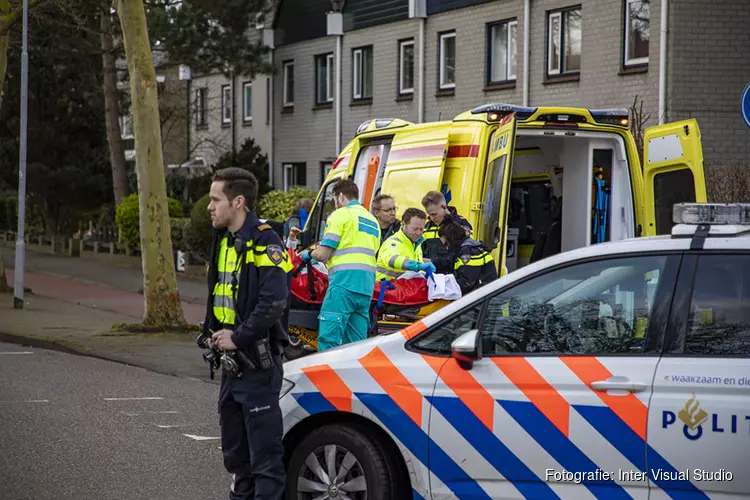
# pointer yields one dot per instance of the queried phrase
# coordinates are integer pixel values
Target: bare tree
(728, 182)
(638, 120)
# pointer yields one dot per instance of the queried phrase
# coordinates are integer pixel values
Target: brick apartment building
(427, 60)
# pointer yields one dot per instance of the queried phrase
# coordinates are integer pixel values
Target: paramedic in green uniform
(349, 245)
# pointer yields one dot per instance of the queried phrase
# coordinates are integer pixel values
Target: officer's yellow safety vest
(229, 265)
(396, 254)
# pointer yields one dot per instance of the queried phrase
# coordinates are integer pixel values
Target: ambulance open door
(672, 172)
(493, 224)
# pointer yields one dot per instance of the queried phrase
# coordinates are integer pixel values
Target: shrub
(127, 218)
(180, 228)
(278, 205)
(198, 236)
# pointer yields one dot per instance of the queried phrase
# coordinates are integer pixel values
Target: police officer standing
(349, 245)
(246, 320)
(474, 266)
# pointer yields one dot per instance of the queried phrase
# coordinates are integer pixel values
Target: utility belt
(257, 357)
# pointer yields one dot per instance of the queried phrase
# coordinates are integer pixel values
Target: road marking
(17, 352)
(201, 438)
(161, 426)
(135, 414)
(129, 399)
(27, 401)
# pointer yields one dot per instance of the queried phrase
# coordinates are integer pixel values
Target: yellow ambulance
(532, 181)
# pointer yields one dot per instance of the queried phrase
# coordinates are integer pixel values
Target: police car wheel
(341, 462)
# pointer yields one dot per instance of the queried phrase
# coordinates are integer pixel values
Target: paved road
(70, 432)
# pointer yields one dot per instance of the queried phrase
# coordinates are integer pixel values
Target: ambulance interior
(567, 192)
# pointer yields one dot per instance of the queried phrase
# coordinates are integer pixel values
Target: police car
(619, 370)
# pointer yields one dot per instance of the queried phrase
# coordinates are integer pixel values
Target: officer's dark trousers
(251, 432)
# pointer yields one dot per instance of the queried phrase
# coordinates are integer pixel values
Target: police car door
(698, 435)
(557, 406)
(493, 227)
(672, 172)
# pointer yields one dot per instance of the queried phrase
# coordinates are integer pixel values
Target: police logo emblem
(465, 258)
(275, 253)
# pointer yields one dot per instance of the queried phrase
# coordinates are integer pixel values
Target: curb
(62, 347)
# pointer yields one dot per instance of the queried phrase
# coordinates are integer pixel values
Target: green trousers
(344, 318)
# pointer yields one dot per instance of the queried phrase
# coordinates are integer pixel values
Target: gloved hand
(424, 266)
(306, 257)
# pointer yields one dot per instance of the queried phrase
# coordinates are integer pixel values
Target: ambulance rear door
(415, 165)
(672, 172)
(493, 223)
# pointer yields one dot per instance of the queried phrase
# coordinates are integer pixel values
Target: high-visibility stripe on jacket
(229, 265)
(474, 266)
(397, 255)
(354, 235)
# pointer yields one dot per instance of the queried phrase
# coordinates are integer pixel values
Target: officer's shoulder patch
(465, 258)
(263, 227)
(275, 253)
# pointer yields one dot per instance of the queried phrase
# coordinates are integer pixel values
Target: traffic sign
(745, 102)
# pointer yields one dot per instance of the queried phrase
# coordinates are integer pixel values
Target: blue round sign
(745, 102)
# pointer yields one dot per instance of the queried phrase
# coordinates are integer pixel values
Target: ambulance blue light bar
(737, 214)
(497, 111)
(617, 117)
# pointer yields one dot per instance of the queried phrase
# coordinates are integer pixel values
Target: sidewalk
(76, 316)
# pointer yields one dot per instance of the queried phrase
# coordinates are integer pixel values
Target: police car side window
(719, 316)
(439, 340)
(593, 308)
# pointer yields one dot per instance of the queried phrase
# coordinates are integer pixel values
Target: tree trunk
(4, 38)
(4, 286)
(162, 299)
(112, 109)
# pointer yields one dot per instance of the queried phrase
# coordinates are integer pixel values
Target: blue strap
(384, 285)
(429, 274)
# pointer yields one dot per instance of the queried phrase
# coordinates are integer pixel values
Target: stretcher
(395, 304)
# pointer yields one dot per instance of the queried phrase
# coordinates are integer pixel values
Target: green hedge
(198, 237)
(278, 205)
(127, 218)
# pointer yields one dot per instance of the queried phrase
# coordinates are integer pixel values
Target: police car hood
(337, 355)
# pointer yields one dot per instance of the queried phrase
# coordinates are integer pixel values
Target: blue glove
(424, 266)
(306, 257)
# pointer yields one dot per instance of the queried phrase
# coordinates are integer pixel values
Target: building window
(447, 56)
(564, 41)
(406, 67)
(226, 104)
(501, 51)
(295, 174)
(325, 169)
(637, 19)
(288, 92)
(324, 78)
(200, 107)
(362, 67)
(247, 102)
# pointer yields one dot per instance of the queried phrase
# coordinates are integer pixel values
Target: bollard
(73, 250)
(41, 240)
(96, 247)
(180, 261)
(111, 248)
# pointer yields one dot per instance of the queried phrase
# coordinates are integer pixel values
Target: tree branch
(15, 16)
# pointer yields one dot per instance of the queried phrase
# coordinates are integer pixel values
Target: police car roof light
(711, 213)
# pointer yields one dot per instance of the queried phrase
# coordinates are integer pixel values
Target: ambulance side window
(719, 316)
(322, 210)
(592, 308)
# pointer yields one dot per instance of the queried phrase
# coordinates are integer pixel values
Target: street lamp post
(18, 270)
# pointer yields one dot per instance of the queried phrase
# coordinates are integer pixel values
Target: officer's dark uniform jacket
(262, 303)
(387, 232)
(474, 266)
(254, 303)
(434, 250)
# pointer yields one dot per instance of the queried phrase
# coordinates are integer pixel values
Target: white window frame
(443, 38)
(287, 99)
(245, 116)
(201, 119)
(550, 43)
(226, 104)
(358, 67)
(626, 60)
(401, 61)
(329, 69)
(510, 69)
